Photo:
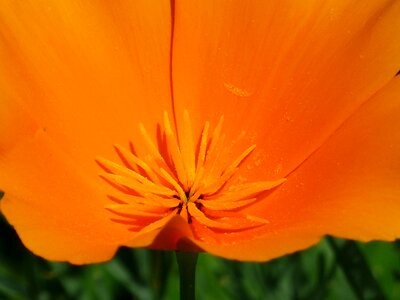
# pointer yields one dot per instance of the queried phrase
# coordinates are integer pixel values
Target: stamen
(175, 152)
(157, 157)
(139, 187)
(224, 223)
(153, 149)
(175, 184)
(218, 183)
(245, 190)
(134, 160)
(203, 146)
(188, 150)
(214, 163)
(120, 170)
(159, 223)
(241, 157)
(216, 134)
(149, 200)
(132, 210)
(195, 183)
(227, 205)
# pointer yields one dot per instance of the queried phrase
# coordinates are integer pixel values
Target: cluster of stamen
(177, 177)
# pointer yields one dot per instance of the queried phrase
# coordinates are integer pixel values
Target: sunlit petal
(286, 72)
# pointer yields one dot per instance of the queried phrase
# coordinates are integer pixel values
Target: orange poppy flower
(247, 129)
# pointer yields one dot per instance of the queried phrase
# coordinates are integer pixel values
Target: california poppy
(247, 129)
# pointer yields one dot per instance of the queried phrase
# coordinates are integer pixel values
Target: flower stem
(187, 274)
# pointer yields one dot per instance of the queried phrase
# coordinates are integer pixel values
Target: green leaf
(356, 269)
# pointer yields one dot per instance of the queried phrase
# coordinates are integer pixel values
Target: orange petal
(87, 71)
(57, 210)
(275, 244)
(75, 78)
(348, 188)
(351, 186)
(287, 72)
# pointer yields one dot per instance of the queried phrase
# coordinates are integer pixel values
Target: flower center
(177, 177)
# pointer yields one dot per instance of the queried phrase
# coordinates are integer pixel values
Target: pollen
(193, 178)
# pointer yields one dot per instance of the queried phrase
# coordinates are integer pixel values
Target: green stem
(187, 274)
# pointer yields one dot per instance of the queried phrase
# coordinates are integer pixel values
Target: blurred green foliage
(334, 269)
